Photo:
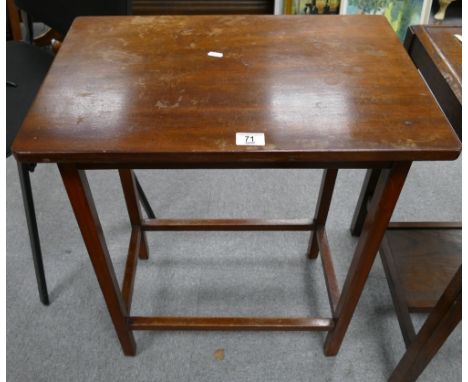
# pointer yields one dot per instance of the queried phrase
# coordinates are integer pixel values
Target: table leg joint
(129, 186)
(323, 206)
(130, 266)
(331, 282)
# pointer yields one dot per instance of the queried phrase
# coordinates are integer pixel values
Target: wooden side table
(207, 92)
(437, 54)
(421, 258)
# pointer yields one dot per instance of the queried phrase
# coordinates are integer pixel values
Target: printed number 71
(249, 139)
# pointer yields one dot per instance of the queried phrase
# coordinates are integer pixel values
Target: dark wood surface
(201, 7)
(140, 89)
(425, 262)
(445, 51)
(438, 55)
(419, 264)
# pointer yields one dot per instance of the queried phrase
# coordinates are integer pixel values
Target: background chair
(26, 68)
(59, 14)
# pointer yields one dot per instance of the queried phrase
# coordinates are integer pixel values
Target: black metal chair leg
(144, 200)
(28, 202)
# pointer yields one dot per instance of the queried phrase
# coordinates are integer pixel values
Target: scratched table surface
(445, 50)
(144, 90)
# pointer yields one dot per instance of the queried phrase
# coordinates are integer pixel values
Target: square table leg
(323, 206)
(130, 189)
(81, 200)
(383, 202)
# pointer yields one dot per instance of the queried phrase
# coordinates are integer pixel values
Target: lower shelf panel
(425, 261)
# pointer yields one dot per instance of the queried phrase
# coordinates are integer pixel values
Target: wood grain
(425, 261)
(135, 89)
(81, 200)
(227, 225)
(230, 323)
(445, 51)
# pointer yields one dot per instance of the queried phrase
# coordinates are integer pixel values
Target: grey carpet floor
(209, 274)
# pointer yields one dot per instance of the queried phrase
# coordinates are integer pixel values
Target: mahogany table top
(133, 89)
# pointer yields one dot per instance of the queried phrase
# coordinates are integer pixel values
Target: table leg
(83, 206)
(441, 322)
(129, 186)
(397, 292)
(367, 190)
(323, 206)
(28, 202)
(383, 202)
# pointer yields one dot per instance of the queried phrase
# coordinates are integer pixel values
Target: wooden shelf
(425, 261)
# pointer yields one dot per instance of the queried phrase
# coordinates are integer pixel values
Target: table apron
(231, 166)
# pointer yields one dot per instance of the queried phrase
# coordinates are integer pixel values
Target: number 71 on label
(250, 139)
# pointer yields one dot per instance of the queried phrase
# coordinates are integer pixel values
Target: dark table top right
(445, 51)
(437, 53)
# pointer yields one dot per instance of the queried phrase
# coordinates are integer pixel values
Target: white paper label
(250, 139)
(215, 54)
